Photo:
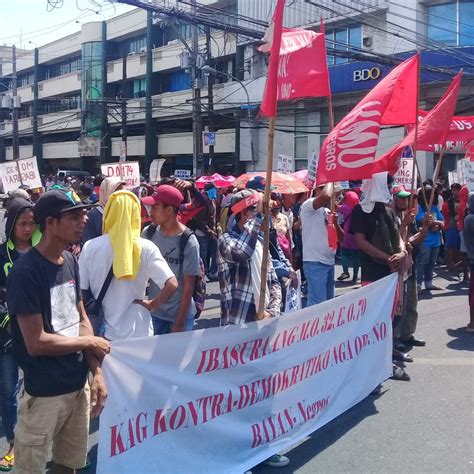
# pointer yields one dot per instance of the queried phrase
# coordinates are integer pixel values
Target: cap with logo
(243, 200)
(56, 202)
(401, 192)
(165, 194)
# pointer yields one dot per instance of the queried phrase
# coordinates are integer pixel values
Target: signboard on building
(20, 172)
(210, 139)
(182, 174)
(128, 172)
(89, 146)
(286, 164)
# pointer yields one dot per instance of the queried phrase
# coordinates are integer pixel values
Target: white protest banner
(11, 179)
(29, 173)
(20, 172)
(155, 170)
(293, 296)
(286, 164)
(468, 174)
(222, 400)
(404, 174)
(128, 172)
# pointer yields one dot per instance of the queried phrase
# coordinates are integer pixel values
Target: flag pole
(435, 177)
(272, 85)
(415, 169)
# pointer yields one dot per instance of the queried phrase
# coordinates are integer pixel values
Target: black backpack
(199, 293)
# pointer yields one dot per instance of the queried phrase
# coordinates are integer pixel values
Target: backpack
(199, 293)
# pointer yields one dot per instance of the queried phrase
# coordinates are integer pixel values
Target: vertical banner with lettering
(242, 393)
(129, 172)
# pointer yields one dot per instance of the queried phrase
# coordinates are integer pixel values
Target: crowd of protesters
(89, 262)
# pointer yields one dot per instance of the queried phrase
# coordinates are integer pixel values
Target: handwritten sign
(20, 172)
(128, 172)
(468, 174)
(286, 164)
(252, 391)
(155, 170)
(404, 174)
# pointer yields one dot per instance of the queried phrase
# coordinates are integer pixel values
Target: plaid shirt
(236, 248)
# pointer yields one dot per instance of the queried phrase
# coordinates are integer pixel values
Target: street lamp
(208, 70)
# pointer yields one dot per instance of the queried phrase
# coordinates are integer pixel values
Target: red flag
(269, 102)
(470, 152)
(460, 135)
(349, 150)
(434, 128)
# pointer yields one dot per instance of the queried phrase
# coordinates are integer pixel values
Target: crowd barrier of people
(88, 262)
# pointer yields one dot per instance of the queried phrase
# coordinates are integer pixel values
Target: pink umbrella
(216, 179)
(300, 175)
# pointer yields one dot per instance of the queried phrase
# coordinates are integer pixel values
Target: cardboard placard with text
(128, 172)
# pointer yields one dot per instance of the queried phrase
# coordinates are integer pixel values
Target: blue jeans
(160, 326)
(425, 263)
(9, 387)
(320, 279)
(208, 253)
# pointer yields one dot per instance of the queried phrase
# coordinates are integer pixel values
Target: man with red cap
(180, 249)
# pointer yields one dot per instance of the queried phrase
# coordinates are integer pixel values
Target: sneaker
(343, 276)
(469, 329)
(277, 460)
(430, 287)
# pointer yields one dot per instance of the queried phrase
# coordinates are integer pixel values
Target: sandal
(8, 463)
(399, 374)
(401, 356)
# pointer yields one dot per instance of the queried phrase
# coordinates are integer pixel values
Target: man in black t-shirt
(54, 343)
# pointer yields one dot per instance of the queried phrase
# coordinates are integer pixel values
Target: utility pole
(16, 138)
(197, 113)
(210, 99)
(123, 145)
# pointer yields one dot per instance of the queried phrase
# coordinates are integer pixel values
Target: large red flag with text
(460, 135)
(349, 150)
(302, 69)
(432, 129)
(269, 102)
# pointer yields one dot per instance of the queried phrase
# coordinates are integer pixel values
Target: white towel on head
(375, 190)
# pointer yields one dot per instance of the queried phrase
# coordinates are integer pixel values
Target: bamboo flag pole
(415, 145)
(272, 97)
(435, 177)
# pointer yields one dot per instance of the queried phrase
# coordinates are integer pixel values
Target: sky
(28, 23)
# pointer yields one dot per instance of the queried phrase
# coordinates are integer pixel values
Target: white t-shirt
(124, 319)
(315, 234)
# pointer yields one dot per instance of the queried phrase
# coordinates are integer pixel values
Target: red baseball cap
(164, 194)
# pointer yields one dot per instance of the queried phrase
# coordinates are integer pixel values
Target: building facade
(130, 80)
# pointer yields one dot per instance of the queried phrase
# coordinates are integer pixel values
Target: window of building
(342, 39)
(451, 23)
(59, 105)
(301, 139)
(64, 67)
(137, 44)
(139, 87)
(25, 79)
(175, 82)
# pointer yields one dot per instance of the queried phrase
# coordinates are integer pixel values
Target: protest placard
(128, 172)
(20, 172)
(155, 170)
(404, 174)
(468, 174)
(252, 391)
(286, 164)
